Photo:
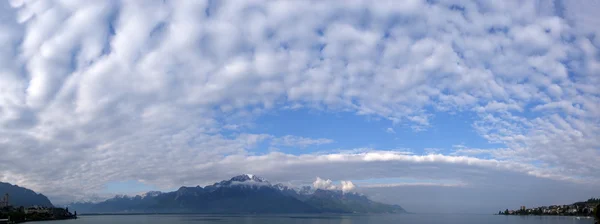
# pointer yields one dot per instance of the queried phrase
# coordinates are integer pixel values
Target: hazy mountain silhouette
(240, 194)
(20, 196)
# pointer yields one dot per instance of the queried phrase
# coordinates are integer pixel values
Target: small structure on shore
(4, 202)
(38, 210)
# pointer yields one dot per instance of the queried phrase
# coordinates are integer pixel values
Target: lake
(325, 219)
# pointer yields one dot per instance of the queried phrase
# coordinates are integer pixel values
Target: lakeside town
(11, 214)
(587, 208)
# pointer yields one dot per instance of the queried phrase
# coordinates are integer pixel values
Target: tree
(597, 213)
(506, 212)
(499, 212)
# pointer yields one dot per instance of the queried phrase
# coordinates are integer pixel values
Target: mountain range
(243, 194)
(20, 196)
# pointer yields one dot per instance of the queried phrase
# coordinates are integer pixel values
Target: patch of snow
(151, 194)
(251, 183)
(305, 190)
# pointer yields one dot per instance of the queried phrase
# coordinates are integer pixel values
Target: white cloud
(324, 184)
(390, 131)
(347, 186)
(113, 90)
(298, 141)
(432, 150)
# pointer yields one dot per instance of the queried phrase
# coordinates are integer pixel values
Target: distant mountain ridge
(20, 196)
(243, 194)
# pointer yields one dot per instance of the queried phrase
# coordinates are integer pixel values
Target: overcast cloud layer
(93, 92)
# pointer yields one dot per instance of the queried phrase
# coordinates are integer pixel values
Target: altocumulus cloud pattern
(167, 93)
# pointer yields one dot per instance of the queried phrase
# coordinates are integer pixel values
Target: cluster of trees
(589, 210)
(536, 211)
(593, 200)
(597, 213)
(19, 215)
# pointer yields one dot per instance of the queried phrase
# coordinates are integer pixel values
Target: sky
(436, 105)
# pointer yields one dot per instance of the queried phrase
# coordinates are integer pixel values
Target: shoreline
(549, 215)
(35, 214)
(43, 219)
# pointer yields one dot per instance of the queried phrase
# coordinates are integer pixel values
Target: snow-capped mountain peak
(258, 193)
(248, 177)
(151, 194)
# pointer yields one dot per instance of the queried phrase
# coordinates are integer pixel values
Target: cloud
(324, 184)
(347, 186)
(113, 90)
(432, 150)
(297, 141)
(390, 131)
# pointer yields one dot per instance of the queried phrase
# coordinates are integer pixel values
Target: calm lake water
(325, 219)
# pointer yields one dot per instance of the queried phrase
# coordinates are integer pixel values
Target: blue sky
(404, 100)
(349, 131)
